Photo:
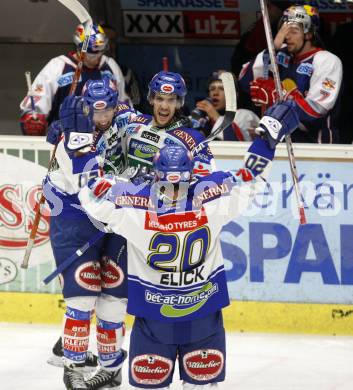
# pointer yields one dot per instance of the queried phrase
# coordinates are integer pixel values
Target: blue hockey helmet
(167, 83)
(98, 41)
(100, 94)
(173, 164)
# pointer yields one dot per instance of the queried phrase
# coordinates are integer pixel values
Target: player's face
(216, 93)
(103, 118)
(92, 60)
(164, 107)
(295, 38)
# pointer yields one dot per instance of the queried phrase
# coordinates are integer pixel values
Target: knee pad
(110, 338)
(81, 303)
(111, 309)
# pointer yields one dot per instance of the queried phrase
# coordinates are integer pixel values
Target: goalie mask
(98, 41)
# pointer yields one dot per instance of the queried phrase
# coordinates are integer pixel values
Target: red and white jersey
(53, 83)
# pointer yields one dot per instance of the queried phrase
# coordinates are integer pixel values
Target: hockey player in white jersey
(310, 75)
(96, 280)
(53, 82)
(176, 276)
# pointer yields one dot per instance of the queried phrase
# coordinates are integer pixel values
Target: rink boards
(282, 277)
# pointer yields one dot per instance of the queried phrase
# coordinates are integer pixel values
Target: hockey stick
(84, 17)
(279, 90)
(165, 64)
(30, 93)
(231, 108)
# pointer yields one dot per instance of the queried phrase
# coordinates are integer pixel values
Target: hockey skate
(105, 380)
(73, 377)
(58, 353)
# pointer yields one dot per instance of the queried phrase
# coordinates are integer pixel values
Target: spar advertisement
(268, 255)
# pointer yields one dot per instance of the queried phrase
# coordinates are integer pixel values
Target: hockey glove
(263, 91)
(31, 125)
(101, 185)
(54, 132)
(75, 115)
(279, 120)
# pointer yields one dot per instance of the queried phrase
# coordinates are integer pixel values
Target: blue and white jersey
(82, 158)
(176, 269)
(143, 140)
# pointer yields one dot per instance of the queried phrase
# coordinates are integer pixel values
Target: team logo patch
(283, 59)
(100, 105)
(202, 365)
(167, 88)
(88, 276)
(112, 275)
(151, 369)
(305, 68)
(328, 84)
(78, 140)
(173, 177)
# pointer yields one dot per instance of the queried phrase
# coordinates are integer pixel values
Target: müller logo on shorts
(150, 369)
(88, 276)
(203, 365)
(112, 274)
(167, 88)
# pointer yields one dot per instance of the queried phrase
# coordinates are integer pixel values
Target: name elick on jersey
(183, 278)
(150, 136)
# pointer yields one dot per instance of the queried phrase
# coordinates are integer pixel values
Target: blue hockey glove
(278, 121)
(75, 115)
(54, 132)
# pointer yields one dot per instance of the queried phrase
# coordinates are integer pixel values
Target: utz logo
(202, 365)
(88, 276)
(167, 88)
(151, 369)
(112, 275)
(100, 105)
(305, 68)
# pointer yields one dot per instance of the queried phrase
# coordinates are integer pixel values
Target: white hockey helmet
(305, 15)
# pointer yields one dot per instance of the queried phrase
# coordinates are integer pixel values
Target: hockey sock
(110, 337)
(76, 335)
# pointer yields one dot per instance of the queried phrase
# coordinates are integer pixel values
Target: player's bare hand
(206, 106)
(281, 35)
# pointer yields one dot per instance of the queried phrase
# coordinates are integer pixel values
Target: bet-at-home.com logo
(175, 305)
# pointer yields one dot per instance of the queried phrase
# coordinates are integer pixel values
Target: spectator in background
(132, 87)
(209, 113)
(311, 76)
(53, 82)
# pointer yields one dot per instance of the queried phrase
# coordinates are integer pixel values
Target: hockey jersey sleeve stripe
(306, 109)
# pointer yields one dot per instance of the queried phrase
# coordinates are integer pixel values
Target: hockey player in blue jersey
(87, 140)
(310, 75)
(146, 134)
(176, 276)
